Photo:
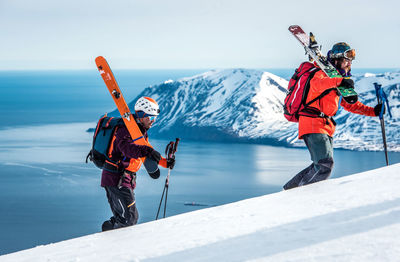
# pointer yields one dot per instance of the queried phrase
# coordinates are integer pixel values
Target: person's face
(345, 64)
(147, 122)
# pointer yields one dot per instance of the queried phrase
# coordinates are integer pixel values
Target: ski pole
(166, 192)
(159, 206)
(171, 155)
(382, 98)
(170, 151)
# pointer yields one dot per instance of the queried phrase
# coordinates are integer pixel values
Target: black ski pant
(320, 147)
(123, 206)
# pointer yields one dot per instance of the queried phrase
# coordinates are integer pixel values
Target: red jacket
(328, 105)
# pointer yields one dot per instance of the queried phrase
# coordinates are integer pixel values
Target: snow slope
(247, 105)
(353, 218)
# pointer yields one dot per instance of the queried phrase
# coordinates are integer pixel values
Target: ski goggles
(152, 118)
(350, 54)
(141, 114)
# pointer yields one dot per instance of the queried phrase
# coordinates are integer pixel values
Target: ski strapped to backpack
(313, 51)
(295, 103)
(128, 118)
(102, 145)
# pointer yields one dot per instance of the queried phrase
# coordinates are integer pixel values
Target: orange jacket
(135, 164)
(328, 105)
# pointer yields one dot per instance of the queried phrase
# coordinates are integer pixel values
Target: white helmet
(146, 106)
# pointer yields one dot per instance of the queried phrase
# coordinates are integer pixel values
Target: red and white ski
(312, 49)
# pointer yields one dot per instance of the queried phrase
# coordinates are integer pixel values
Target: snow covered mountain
(364, 133)
(223, 105)
(246, 105)
(326, 221)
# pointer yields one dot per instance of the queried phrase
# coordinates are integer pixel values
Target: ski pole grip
(378, 92)
(382, 99)
(168, 149)
(176, 144)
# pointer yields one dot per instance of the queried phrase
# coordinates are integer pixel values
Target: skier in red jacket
(317, 132)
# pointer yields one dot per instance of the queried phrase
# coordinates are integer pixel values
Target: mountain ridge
(246, 105)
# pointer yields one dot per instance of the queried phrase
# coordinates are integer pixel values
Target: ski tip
(100, 62)
(99, 58)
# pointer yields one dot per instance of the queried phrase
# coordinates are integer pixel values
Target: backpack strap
(88, 156)
(314, 112)
(111, 167)
(327, 91)
(112, 163)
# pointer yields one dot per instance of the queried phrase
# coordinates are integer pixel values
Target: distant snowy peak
(366, 81)
(224, 104)
(247, 105)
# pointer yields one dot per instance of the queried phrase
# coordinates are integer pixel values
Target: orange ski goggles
(350, 54)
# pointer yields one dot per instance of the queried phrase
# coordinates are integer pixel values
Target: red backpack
(299, 85)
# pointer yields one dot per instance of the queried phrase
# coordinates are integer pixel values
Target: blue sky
(50, 34)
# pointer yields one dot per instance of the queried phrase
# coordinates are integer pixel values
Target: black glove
(378, 108)
(171, 163)
(155, 155)
(347, 83)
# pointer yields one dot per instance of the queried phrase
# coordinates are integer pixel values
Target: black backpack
(103, 138)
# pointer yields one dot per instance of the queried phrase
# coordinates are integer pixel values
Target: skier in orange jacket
(317, 132)
(120, 185)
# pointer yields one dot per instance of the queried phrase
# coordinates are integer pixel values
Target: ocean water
(48, 193)
(42, 97)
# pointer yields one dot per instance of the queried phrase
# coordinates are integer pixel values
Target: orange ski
(111, 83)
(137, 136)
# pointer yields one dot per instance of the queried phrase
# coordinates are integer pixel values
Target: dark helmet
(341, 50)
